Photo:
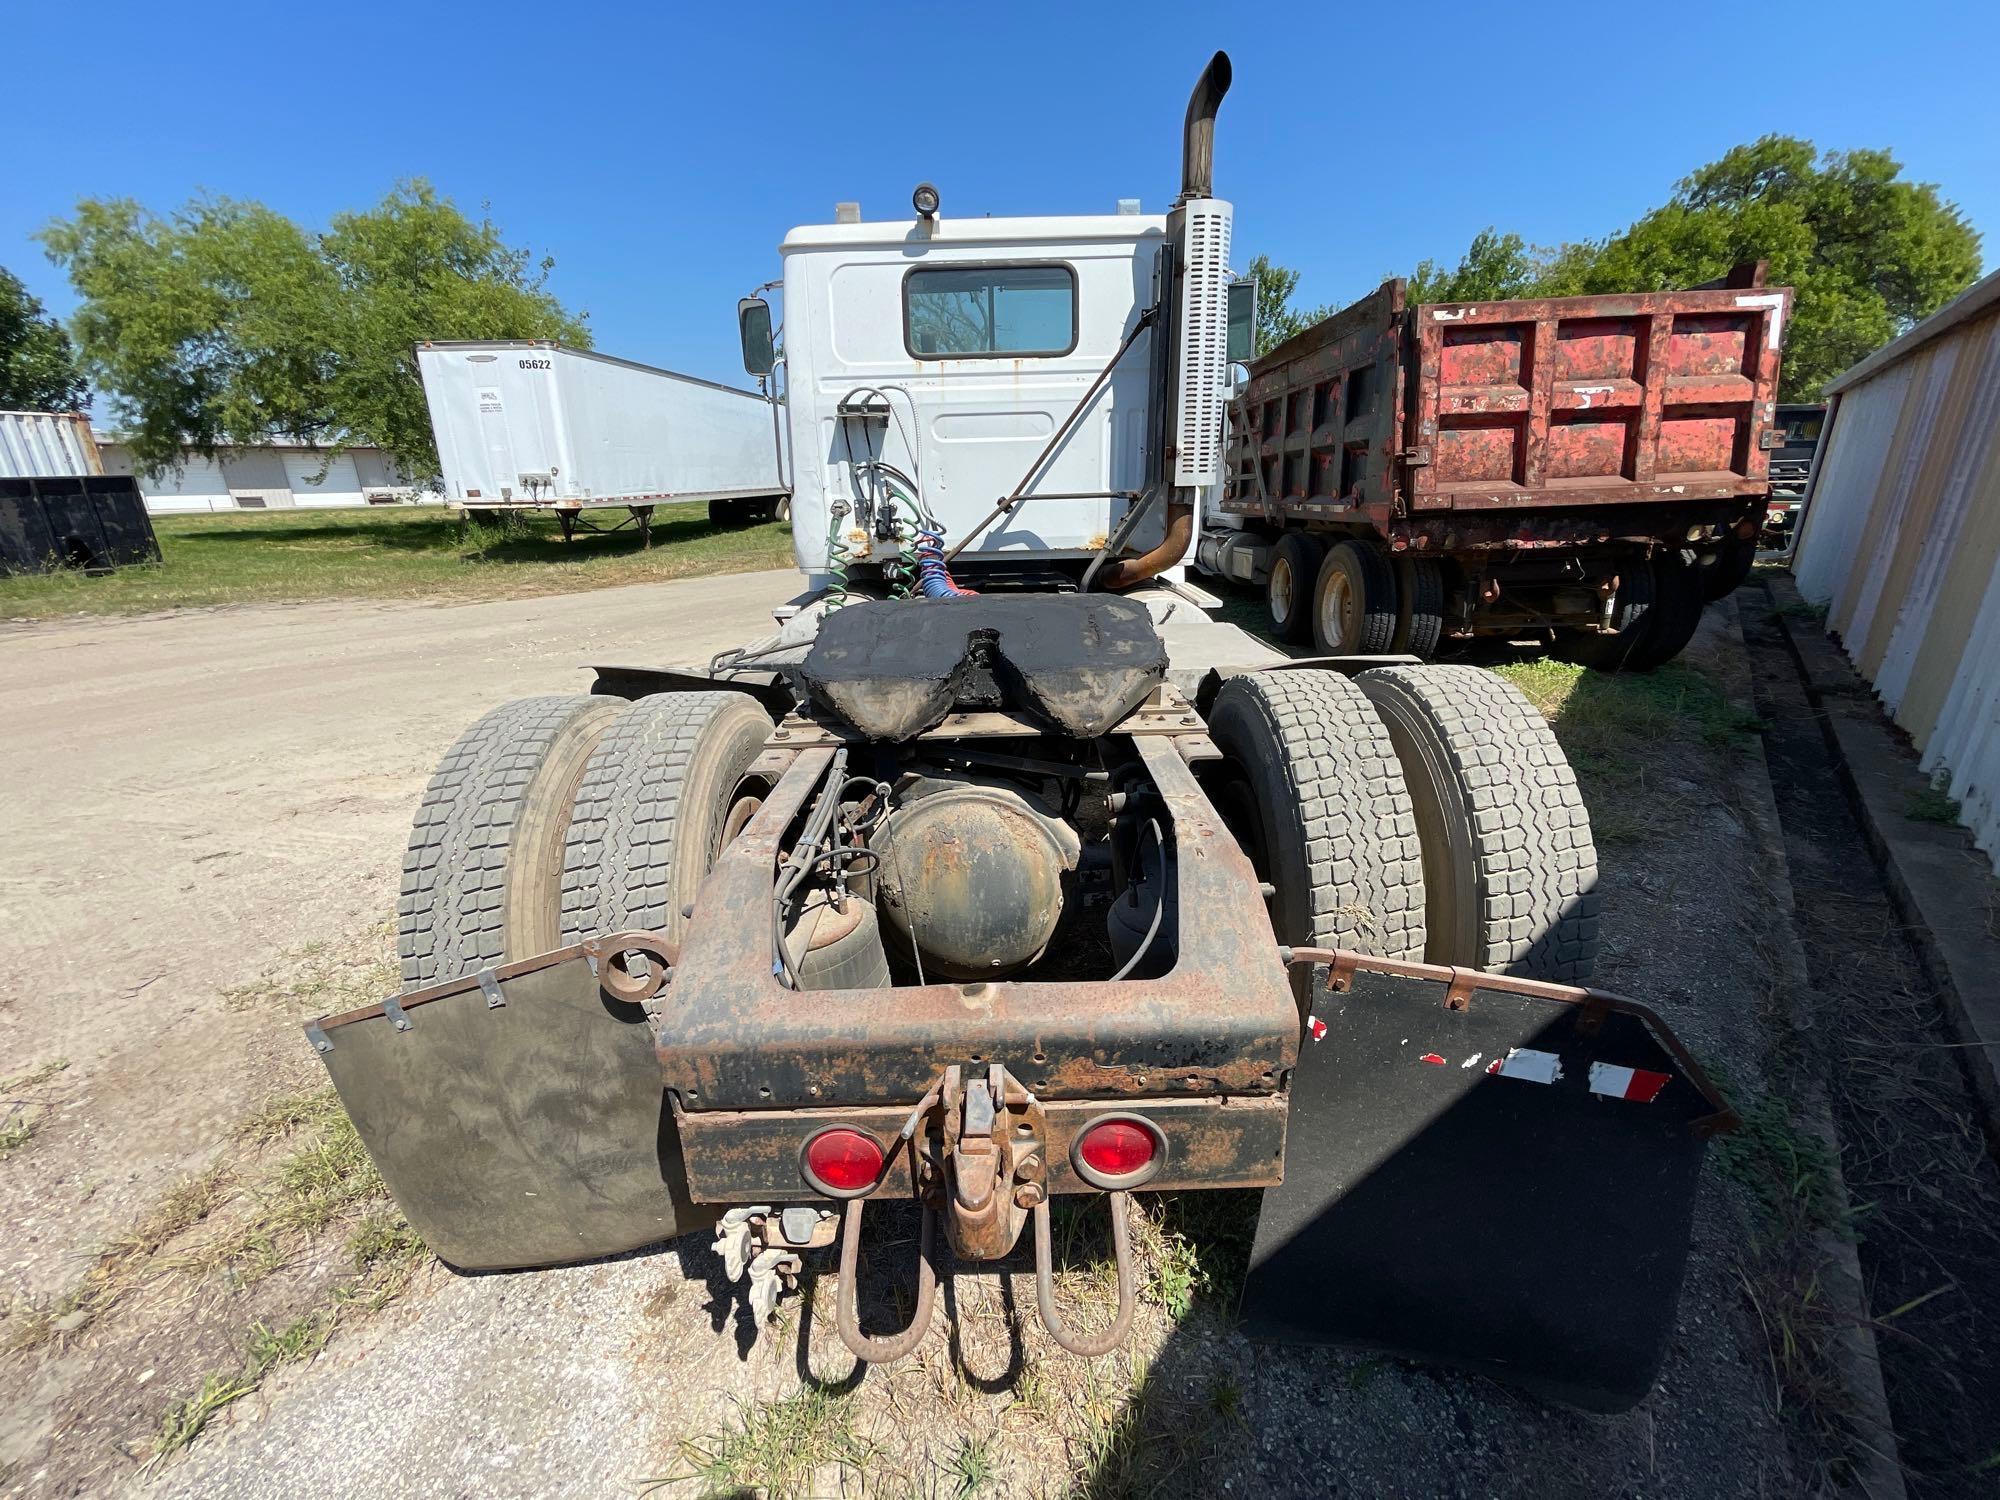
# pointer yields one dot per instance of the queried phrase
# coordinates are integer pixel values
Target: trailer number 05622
(535, 364)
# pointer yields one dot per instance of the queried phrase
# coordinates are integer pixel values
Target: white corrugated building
(1900, 540)
(277, 475)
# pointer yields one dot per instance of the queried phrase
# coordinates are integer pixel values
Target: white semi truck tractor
(1001, 871)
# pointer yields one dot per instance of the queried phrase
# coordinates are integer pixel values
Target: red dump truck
(1590, 469)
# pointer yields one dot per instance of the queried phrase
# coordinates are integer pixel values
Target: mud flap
(519, 1121)
(1485, 1172)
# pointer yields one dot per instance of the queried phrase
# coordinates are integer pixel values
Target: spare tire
(1510, 870)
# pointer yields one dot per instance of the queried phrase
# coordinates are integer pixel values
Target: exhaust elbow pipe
(1198, 133)
(1129, 572)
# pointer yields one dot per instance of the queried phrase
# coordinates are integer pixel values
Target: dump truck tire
(1288, 592)
(1312, 786)
(1724, 574)
(1354, 604)
(482, 874)
(1510, 871)
(651, 808)
(1678, 600)
(1419, 607)
(1631, 612)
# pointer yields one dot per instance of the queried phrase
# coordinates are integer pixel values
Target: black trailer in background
(94, 523)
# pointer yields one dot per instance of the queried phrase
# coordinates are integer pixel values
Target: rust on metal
(847, 1316)
(1388, 413)
(606, 954)
(1221, 1021)
(1087, 1346)
(752, 1156)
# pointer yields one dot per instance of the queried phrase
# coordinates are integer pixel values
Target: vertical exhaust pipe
(1197, 181)
(1198, 133)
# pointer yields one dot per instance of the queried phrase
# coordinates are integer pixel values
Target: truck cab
(953, 349)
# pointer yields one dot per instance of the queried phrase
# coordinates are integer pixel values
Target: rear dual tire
(553, 819)
(1410, 812)
(1350, 599)
(1657, 611)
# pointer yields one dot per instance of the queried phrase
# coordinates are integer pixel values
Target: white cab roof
(899, 233)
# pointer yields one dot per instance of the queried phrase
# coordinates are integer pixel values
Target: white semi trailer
(537, 426)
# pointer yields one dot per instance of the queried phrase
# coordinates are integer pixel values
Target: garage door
(198, 486)
(341, 486)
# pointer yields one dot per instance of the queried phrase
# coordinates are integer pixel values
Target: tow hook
(995, 1160)
(1087, 1346)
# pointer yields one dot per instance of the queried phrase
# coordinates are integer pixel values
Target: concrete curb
(1878, 1468)
(1938, 883)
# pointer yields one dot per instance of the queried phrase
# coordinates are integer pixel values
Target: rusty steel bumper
(752, 1156)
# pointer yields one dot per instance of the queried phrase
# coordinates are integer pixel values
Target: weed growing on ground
(22, 1104)
(34, 1077)
(775, 1449)
(326, 1178)
(317, 979)
(1628, 735)
(971, 1468)
(1932, 804)
(1788, 1173)
(265, 1349)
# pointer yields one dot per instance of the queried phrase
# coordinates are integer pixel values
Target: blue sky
(660, 152)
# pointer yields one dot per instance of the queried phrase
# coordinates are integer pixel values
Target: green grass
(402, 553)
(972, 1468)
(265, 1350)
(1630, 735)
(1931, 804)
(775, 1449)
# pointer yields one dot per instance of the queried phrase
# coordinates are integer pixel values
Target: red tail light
(842, 1162)
(1118, 1151)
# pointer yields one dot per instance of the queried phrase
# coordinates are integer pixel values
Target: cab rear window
(988, 312)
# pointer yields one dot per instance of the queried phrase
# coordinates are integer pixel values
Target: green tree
(1276, 319)
(1494, 266)
(1867, 252)
(38, 370)
(227, 323)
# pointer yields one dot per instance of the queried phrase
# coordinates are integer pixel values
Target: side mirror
(1242, 320)
(753, 320)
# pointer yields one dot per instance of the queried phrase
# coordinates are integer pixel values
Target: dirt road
(191, 796)
(210, 792)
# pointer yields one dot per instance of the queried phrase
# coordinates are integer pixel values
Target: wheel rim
(1339, 610)
(1281, 590)
(744, 804)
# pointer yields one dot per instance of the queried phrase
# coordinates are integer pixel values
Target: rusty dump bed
(1411, 419)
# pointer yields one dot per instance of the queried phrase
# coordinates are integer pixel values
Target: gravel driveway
(211, 789)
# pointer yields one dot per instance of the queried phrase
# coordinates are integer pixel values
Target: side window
(973, 312)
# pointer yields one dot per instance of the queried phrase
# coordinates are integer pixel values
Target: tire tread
(1344, 787)
(1536, 863)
